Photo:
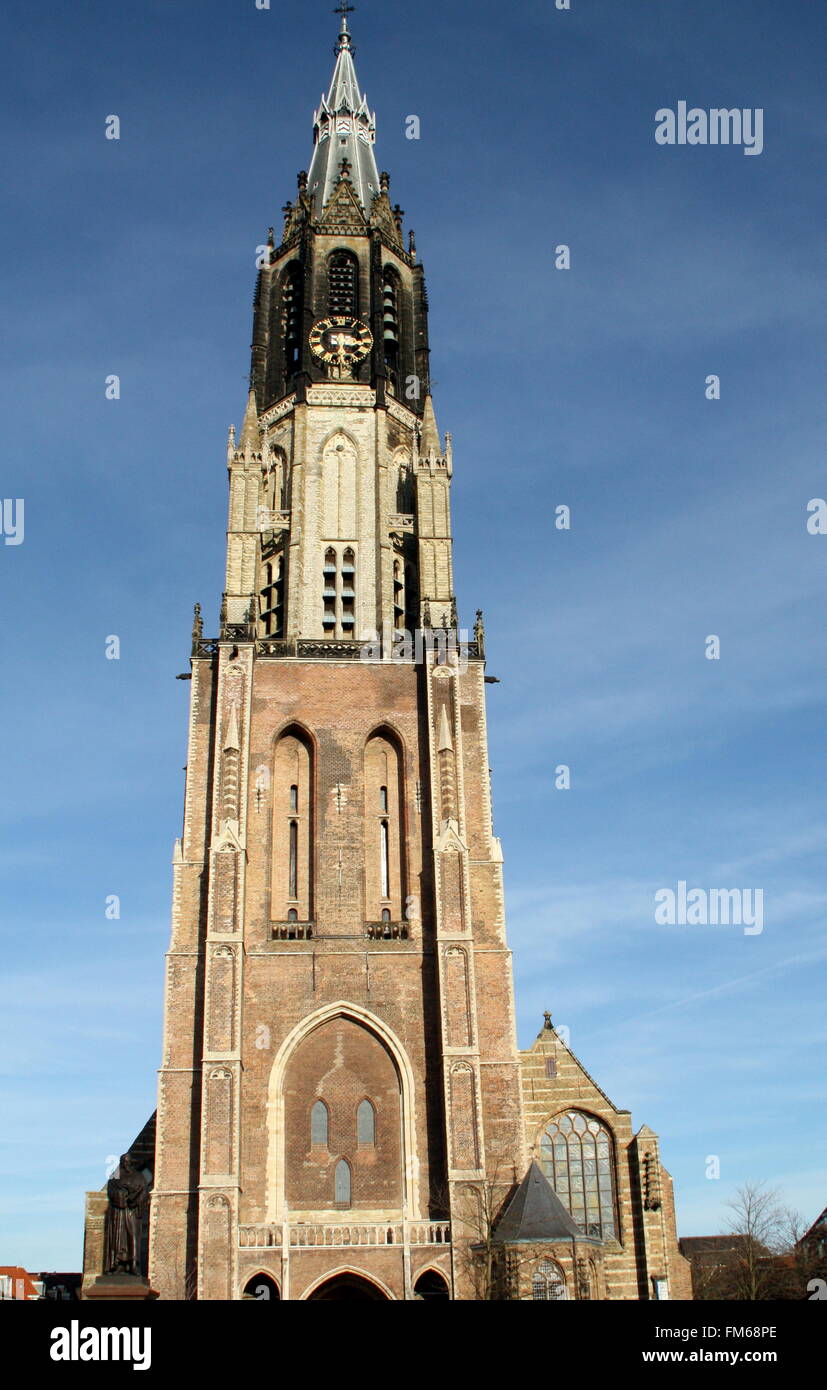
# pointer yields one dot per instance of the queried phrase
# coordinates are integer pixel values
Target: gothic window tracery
(548, 1282)
(576, 1155)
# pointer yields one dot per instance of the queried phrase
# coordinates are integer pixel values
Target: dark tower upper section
(341, 253)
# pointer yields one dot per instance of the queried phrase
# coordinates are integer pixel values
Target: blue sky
(583, 388)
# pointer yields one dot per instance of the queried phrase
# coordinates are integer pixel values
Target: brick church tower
(340, 1068)
(342, 1109)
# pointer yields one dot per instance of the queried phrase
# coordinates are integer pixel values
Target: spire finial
(344, 33)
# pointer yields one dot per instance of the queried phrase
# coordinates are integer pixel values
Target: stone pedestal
(118, 1288)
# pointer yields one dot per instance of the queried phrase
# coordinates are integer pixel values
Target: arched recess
(385, 827)
(343, 283)
(291, 884)
(347, 1285)
(391, 315)
(340, 457)
(277, 1209)
(577, 1154)
(432, 1284)
(262, 1287)
(274, 481)
(291, 301)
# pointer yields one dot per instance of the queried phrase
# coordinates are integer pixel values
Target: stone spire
(250, 441)
(343, 128)
(429, 445)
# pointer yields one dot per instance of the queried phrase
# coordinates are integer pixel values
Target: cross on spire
(344, 9)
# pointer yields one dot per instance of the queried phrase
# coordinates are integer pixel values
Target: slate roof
(344, 128)
(536, 1213)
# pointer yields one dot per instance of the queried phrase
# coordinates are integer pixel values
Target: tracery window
(576, 1157)
(548, 1282)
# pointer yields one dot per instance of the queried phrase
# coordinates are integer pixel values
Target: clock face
(340, 340)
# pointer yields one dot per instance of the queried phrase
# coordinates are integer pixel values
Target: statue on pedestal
(123, 1226)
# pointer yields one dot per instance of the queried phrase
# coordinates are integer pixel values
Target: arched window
(339, 593)
(390, 326)
(366, 1125)
(343, 284)
(319, 1124)
(398, 597)
(348, 592)
(548, 1282)
(342, 1186)
(293, 871)
(384, 829)
(292, 304)
(292, 829)
(272, 598)
(576, 1157)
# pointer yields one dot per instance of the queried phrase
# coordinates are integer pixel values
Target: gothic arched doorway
(431, 1284)
(344, 1287)
(261, 1287)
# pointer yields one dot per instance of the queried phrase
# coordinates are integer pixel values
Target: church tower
(340, 1109)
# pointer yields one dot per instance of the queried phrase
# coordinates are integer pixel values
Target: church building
(343, 1111)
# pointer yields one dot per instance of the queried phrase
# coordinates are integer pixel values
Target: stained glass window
(576, 1157)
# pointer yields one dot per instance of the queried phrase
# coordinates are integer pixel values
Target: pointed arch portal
(346, 1287)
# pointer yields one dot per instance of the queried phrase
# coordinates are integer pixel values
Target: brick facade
(338, 922)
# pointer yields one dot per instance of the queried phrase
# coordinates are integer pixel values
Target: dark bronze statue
(123, 1227)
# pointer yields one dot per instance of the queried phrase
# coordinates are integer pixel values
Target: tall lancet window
(390, 326)
(398, 595)
(271, 604)
(292, 853)
(384, 830)
(343, 284)
(292, 303)
(342, 1183)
